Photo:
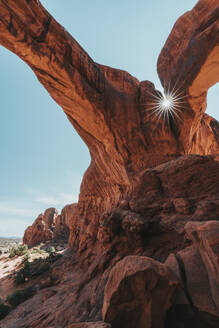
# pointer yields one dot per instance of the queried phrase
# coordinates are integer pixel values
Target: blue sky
(42, 157)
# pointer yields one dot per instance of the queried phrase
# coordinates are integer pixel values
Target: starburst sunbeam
(168, 104)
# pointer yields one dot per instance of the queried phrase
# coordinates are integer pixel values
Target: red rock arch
(108, 107)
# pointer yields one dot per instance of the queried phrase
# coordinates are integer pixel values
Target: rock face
(147, 177)
(151, 220)
(47, 227)
(138, 293)
(205, 237)
(182, 65)
(197, 268)
(41, 230)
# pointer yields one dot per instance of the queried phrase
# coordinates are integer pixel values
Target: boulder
(138, 293)
(197, 268)
(205, 237)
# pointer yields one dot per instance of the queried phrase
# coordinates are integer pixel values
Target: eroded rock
(181, 65)
(42, 228)
(138, 293)
(197, 268)
(205, 237)
(47, 227)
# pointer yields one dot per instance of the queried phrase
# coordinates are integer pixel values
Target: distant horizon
(10, 237)
(43, 159)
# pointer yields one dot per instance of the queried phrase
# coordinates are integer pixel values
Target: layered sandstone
(147, 177)
(49, 226)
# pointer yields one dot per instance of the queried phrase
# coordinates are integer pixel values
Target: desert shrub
(4, 310)
(51, 250)
(19, 296)
(31, 270)
(24, 274)
(38, 251)
(12, 253)
(18, 251)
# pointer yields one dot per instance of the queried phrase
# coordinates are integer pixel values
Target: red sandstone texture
(49, 226)
(181, 191)
(138, 293)
(42, 228)
(147, 178)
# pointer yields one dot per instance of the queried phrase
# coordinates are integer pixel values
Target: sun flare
(167, 104)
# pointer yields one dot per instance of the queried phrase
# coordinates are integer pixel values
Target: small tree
(18, 251)
(24, 273)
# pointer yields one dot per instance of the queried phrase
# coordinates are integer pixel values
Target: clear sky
(42, 157)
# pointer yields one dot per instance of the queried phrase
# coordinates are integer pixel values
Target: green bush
(31, 270)
(24, 273)
(12, 253)
(4, 310)
(38, 251)
(20, 296)
(18, 251)
(51, 250)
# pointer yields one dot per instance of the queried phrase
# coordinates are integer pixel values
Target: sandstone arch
(108, 107)
(191, 57)
(127, 205)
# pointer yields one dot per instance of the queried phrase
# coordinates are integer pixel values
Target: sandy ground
(9, 266)
(7, 269)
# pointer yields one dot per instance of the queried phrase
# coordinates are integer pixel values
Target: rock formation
(138, 293)
(197, 268)
(190, 61)
(152, 224)
(42, 228)
(48, 226)
(134, 299)
(147, 177)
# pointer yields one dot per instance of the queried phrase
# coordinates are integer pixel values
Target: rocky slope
(146, 179)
